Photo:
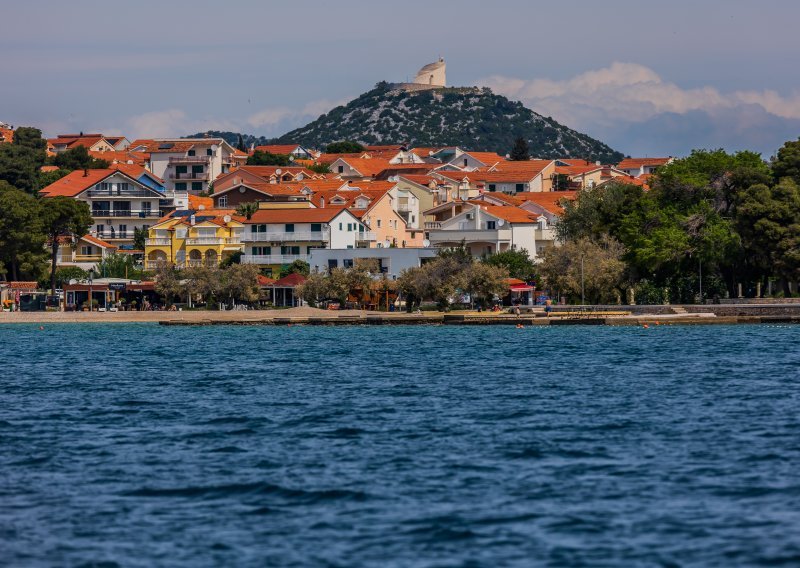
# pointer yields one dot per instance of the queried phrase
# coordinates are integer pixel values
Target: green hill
(472, 118)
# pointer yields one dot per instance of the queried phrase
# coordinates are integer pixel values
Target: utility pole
(583, 295)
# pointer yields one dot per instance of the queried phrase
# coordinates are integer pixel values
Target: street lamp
(583, 295)
(91, 278)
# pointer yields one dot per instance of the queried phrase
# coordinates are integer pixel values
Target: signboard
(120, 286)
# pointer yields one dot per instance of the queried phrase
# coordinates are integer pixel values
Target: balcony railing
(273, 258)
(205, 241)
(189, 160)
(191, 263)
(365, 236)
(189, 176)
(125, 213)
(233, 241)
(122, 194)
(160, 242)
(433, 225)
(283, 236)
(67, 258)
(470, 235)
(114, 236)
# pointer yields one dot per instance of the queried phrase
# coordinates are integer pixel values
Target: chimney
(322, 203)
(85, 172)
(597, 163)
(191, 220)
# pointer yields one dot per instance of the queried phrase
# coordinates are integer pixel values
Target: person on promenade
(516, 310)
(548, 307)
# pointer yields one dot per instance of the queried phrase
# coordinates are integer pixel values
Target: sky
(648, 78)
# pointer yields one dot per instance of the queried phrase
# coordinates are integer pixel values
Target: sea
(409, 446)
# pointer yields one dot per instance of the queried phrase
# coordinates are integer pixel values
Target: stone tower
(432, 75)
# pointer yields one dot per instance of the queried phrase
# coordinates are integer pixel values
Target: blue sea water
(140, 445)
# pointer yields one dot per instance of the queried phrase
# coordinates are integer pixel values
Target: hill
(472, 118)
(232, 138)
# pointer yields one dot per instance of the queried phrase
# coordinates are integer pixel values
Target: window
(293, 250)
(491, 225)
(347, 263)
(262, 251)
(100, 230)
(223, 202)
(267, 272)
(190, 153)
(180, 186)
(332, 263)
(181, 169)
(379, 223)
(86, 250)
(340, 226)
(208, 152)
(340, 169)
(289, 227)
(123, 231)
(520, 187)
(316, 227)
(146, 208)
(349, 227)
(197, 186)
(466, 162)
(197, 170)
(413, 235)
(180, 233)
(492, 187)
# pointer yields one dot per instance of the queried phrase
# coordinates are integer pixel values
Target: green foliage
(596, 268)
(517, 263)
(63, 217)
(247, 209)
(168, 282)
(319, 168)
(233, 258)
(139, 238)
(117, 265)
(46, 178)
(240, 144)
(344, 147)
(22, 237)
(21, 160)
(64, 275)
(296, 267)
(239, 283)
(520, 152)
(78, 158)
(260, 158)
(787, 162)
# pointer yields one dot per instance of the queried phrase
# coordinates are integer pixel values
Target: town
(103, 223)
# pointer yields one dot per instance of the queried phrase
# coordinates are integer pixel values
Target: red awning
(521, 288)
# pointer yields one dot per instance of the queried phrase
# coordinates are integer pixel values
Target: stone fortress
(431, 76)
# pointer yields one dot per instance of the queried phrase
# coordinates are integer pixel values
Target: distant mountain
(232, 138)
(472, 118)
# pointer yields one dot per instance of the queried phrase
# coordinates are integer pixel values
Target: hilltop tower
(432, 75)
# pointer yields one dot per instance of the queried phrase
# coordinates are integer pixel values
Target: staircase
(678, 310)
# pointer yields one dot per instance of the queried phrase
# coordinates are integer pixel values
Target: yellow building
(189, 239)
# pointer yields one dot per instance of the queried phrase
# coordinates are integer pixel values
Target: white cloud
(629, 92)
(171, 123)
(271, 118)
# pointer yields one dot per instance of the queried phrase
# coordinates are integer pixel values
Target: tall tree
(21, 233)
(520, 152)
(344, 147)
(240, 144)
(63, 217)
(517, 263)
(78, 158)
(268, 159)
(787, 162)
(247, 209)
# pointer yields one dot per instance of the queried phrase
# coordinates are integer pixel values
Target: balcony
(123, 194)
(273, 258)
(189, 160)
(189, 176)
(469, 235)
(205, 241)
(98, 213)
(277, 237)
(109, 236)
(162, 242)
(363, 236)
(432, 225)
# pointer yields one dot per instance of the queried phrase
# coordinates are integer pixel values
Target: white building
(392, 261)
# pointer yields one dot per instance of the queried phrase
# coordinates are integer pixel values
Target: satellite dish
(500, 222)
(227, 218)
(300, 176)
(387, 243)
(279, 171)
(214, 147)
(201, 207)
(426, 243)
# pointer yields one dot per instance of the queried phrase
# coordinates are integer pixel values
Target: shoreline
(314, 316)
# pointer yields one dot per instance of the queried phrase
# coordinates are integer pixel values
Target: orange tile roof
(635, 163)
(577, 169)
(509, 213)
(21, 285)
(488, 158)
(504, 197)
(195, 202)
(78, 181)
(268, 171)
(419, 179)
(330, 158)
(265, 281)
(548, 200)
(98, 242)
(277, 148)
(49, 169)
(121, 156)
(290, 280)
(368, 167)
(6, 135)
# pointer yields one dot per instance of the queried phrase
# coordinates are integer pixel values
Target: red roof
(78, 181)
(548, 200)
(22, 285)
(265, 281)
(636, 163)
(289, 281)
(277, 148)
(292, 215)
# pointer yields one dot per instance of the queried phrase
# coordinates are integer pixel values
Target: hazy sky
(646, 77)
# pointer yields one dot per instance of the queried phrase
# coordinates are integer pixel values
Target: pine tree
(240, 144)
(520, 152)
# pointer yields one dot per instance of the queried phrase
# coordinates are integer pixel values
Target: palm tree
(247, 209)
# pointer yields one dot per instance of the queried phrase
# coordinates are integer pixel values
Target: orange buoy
(645, 326)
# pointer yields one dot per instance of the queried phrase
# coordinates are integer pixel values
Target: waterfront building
(192, 238)
(84, 252)
(92, 142)
(275, 237)
(392, 261)
(122, 198)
